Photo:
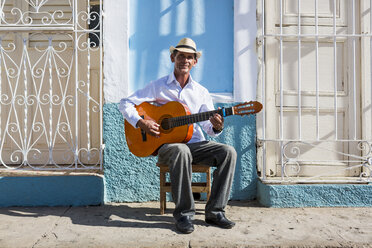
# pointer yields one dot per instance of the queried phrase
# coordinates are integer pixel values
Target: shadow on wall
(155, 25)
(240, 132)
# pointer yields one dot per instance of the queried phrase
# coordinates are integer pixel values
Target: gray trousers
(179, 157)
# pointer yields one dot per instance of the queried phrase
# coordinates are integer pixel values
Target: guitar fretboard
(193, 118)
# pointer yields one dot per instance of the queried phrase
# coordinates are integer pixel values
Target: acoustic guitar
(175, 122)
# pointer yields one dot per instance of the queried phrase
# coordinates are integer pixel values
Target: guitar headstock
(247, 108)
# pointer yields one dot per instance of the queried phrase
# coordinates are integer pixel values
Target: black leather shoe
(220, 220)
(185, 225)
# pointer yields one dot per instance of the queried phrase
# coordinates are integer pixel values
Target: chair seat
(197, 187)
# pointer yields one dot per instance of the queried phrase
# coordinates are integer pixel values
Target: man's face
(183, 62)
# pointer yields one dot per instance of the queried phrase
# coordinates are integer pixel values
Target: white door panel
(312, 123)
(40, 66)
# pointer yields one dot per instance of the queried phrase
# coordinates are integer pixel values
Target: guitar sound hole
(165, 124)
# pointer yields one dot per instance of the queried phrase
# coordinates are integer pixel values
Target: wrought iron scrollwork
(292, 159)
(38, 88)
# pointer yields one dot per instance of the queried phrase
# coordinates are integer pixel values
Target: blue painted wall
(51, 191)
(129, 178)
(315, 195)
(155, 25)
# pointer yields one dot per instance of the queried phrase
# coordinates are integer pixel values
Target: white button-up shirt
(165, 89)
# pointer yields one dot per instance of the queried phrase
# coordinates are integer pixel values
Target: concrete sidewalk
(140, 225)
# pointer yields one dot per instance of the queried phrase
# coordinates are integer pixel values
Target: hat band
(186, 46)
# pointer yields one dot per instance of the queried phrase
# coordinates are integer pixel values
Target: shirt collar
(172, 79)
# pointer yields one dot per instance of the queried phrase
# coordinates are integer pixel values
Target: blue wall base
(51, 191)
(315, 195)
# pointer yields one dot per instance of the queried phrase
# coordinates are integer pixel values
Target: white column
(245, 59)
(116, 49)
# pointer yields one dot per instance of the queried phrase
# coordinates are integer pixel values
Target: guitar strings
(193, 118)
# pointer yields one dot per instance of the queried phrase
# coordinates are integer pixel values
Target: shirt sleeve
(208, 106)
(127, 105)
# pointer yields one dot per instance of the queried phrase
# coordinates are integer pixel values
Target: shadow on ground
(126, 215)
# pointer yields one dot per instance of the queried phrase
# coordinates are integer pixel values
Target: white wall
(245, 59)
(115, 45)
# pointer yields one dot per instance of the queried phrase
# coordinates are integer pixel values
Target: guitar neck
(193, 118)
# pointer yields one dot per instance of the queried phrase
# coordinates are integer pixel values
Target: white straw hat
(186, 45)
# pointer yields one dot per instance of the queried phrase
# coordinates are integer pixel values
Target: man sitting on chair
(179, 86)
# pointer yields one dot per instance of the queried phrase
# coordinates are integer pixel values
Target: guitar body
(142, 144)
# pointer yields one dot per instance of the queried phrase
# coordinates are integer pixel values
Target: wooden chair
(197, 187)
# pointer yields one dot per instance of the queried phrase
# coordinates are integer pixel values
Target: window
(316, 88)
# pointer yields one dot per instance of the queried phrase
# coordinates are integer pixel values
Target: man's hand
(149, 126)
(217, 122)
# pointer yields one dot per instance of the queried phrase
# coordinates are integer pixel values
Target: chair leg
(162, 193)
(163, 202)
(209, 183)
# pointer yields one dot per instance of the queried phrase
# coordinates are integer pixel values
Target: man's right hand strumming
(149, 126)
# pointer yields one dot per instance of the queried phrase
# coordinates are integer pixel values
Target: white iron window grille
(50, 85)
(315, 84)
